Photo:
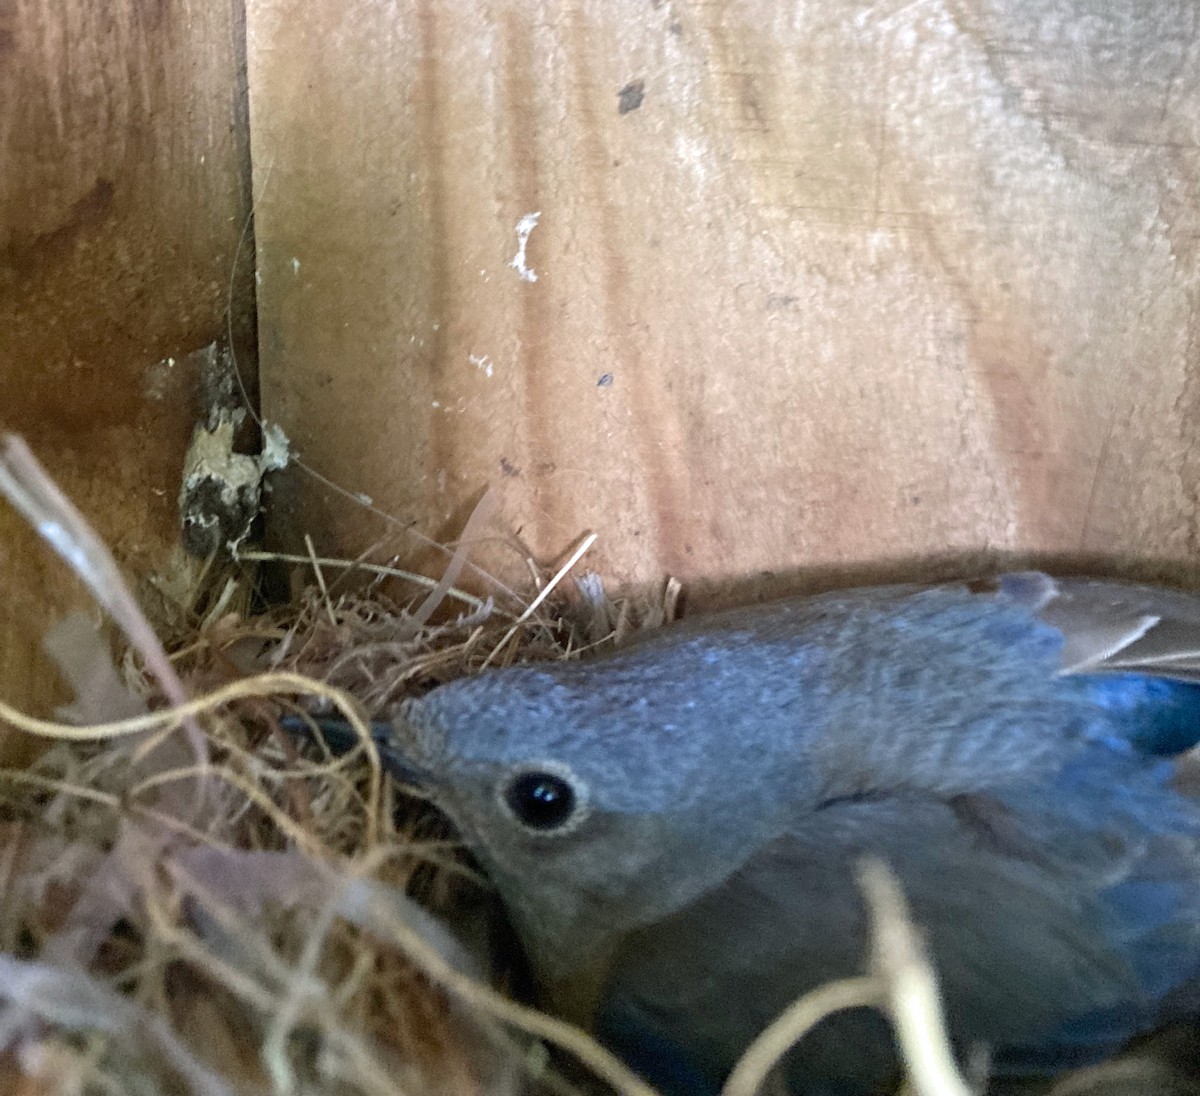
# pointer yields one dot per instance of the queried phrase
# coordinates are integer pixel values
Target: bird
(674, 826)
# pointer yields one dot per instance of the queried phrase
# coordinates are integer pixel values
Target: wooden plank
(817, 283)
(122, 195)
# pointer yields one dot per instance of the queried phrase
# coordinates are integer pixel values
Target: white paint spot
(365, 499)
(295, 265)
(693, 155)
(482, 362)
(525, 227)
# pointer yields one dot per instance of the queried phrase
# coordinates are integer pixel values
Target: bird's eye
(543, 801)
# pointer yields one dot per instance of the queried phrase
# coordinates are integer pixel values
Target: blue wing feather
(1160, 716)
(658, 1059)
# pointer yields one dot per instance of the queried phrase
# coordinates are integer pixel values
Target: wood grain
(122, 195)
(853, 282)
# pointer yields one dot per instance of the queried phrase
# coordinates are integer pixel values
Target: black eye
(541, 800)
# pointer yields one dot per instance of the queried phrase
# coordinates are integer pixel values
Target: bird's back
(1002, 751)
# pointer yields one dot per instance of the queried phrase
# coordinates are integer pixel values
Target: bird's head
(596, 802)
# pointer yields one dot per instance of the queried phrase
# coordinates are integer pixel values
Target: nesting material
(237, 921)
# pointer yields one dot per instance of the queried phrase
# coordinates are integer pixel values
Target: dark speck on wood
(630, 96)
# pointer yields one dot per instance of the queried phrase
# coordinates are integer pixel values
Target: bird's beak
(402, 767)
(341, 737)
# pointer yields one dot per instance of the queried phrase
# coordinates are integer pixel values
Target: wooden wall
(123, 183)
(817, 282)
